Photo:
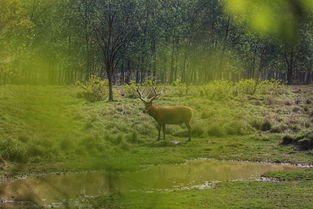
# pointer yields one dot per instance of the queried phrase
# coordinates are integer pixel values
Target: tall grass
(49, 122)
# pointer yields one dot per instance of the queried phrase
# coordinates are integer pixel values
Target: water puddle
(196, 174)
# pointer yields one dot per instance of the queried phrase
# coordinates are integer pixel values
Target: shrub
(149, 81)
(130, 89)
(272, 86)
(220, 89)
(94, 89)
(180, 88)
(246, 86)
(224, 89)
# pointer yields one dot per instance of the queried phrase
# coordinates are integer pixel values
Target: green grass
(245, 194)
(49, 123)
(37, 122)
(291, 175)
(49, 129)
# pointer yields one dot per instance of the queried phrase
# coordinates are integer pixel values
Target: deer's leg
(189, 130)
(159, 129)
(163, 127)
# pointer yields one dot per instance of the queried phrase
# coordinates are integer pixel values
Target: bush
(270, 86)
(94, 89)
(246, 86)
(220, 89)
(223, 89)
(129, 90)
(180, 89)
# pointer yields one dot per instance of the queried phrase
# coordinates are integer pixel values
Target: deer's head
(147, 102)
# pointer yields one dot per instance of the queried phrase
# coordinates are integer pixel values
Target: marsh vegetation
(77, 135)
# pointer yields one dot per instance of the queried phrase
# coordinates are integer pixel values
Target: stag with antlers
(166, 114)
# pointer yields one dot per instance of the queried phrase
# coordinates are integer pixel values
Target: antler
(140, 95)
(152, 98)
(155, 94)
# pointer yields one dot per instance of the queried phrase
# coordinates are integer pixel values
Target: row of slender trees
(195, 41)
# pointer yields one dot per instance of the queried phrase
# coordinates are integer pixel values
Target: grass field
(49, 129)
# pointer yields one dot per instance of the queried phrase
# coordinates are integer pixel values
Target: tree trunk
(224, 44)
(128, 74)
(289, 57)
(172, 70)
(109, 72)
(122, 78)
(289, 74)
(110, 88)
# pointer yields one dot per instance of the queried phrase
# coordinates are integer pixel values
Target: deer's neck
(153, 111)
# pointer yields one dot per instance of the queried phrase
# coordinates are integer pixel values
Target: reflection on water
(45, 190)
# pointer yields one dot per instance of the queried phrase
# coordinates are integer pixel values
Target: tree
(114, 24)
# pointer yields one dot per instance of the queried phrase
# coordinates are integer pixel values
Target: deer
(166, 114)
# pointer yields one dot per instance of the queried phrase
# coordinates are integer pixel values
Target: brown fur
(169, 115)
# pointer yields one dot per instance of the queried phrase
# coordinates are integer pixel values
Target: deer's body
(168, 115)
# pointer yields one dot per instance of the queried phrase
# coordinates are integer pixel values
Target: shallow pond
(49, 189)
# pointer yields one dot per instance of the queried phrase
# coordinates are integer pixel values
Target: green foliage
(12, 16)
(56, 125)
(246, 86)
(129, 90)
(223, 89)
(180, 88)
(75, 52)
(94, 89)
(220, 89)
(150, 82)
(266, 17)
(272, 86)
